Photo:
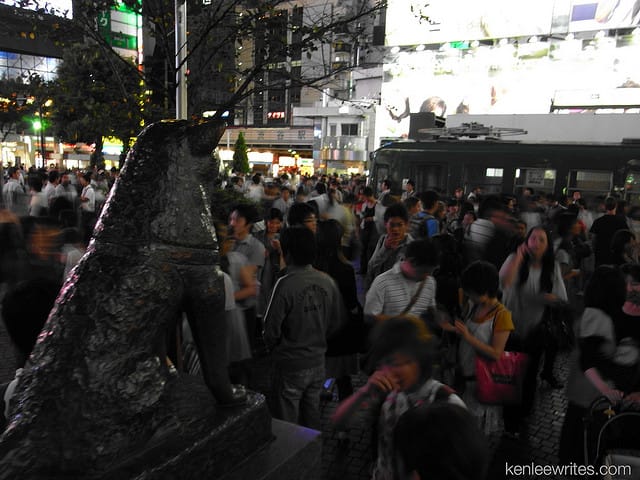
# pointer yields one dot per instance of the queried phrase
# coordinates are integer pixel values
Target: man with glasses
(392, 245)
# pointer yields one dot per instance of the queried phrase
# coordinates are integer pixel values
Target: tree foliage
(21, 102)
(96, 95)
(240, 157)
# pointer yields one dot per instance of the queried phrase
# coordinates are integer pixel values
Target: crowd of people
(46, 219)
(444, 280)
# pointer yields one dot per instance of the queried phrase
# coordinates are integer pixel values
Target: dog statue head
(164, 190)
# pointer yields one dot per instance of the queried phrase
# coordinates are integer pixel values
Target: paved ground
(352, 460)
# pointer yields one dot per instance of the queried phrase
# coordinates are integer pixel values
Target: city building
(32, 42)
(338, 118)
(26, 48)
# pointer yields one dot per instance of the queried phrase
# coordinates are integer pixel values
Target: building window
(332, 130)
(349, 129)
(494, 172)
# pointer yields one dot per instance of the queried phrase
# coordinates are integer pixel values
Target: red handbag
(499, 382)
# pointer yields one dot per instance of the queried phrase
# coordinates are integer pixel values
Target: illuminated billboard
(60, 8)
(414, 22)
(590, 15)
(411, 22)
(505, 78)
(121, 27)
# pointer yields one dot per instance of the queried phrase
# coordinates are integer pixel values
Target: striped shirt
(391, 292)
(478, 237)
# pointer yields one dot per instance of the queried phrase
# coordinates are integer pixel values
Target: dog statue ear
(205, 135)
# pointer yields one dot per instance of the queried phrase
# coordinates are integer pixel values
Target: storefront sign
(534, 178)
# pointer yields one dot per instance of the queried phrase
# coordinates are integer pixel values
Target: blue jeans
(295, 396)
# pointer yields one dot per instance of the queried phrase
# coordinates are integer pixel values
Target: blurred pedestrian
(305, 309)
(400, 364)
(531, 280)
(437, 441)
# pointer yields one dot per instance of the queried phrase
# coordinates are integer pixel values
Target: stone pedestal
(202, 442)
(294, 453)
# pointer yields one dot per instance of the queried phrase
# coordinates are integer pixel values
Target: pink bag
(500, 382)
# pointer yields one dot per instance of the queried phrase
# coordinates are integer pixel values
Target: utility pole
(181, 55)
(43, 146)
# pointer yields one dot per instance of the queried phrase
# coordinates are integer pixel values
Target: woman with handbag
(531, 280)
(485, 332)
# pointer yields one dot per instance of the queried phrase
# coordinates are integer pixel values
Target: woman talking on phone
(531, 279)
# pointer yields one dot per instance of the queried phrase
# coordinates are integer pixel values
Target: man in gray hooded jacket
(305, 308)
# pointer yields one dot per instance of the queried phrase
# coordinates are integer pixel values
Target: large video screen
(602, 15)
(507, 78)
(415, 22)
(60, 8)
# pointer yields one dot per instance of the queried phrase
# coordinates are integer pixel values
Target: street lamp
(39, 126)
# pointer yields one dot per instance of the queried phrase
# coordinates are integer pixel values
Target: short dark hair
(607, 290)
(429, 199)
(367, 191)
(610, 203)
(411, 202)
(489, 205)
(387, 182)
(274, 213)
(299, 212)
(423, 252)
(53, 175)
(396, 210)
(441, 440)
(246, 211)
(412, 183)
(481, 277)
(299, 244)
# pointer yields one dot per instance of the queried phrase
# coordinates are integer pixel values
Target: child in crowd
(400, 359)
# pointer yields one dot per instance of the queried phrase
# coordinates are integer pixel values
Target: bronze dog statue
(93, 388)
